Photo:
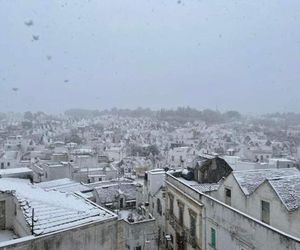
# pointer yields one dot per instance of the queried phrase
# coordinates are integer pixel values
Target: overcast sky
(242, 55)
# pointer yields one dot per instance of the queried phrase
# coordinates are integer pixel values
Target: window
(172, 158)
(265, 212)
(2, 165)
(228, 196)
(8, 164)
(2, 215)
(121, 203)
(158, 207)
(193, 224)
(180, 212)
(213, 240)
(205, 174)
(171, 205)
(138, 248)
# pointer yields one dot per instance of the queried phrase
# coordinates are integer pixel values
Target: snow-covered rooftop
(207, 187)
(10, 171)
(250, 180)
(288, 190)
(108, 194)
(6, 235)
(10, 155)
(53, 210)
(63, 185)
(201, 187)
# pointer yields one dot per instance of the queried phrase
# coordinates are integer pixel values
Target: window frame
(213, 238)
(263, 210)
(193, 223)
(228, 198)
(171, 204)
(180, 212)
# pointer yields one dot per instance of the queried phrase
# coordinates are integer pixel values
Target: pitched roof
(250, 180)
(288, 190)
(53, 210)
(107, 194)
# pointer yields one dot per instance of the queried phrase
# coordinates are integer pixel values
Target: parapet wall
(94, 236)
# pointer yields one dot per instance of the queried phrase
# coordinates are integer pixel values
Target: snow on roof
(63, 185)
(82, 151)
(207, 187)
(280, 159)
(108, 182)
(55, 165)
(53, 210)
(207, 156)
(288, 190)
(14, 171)
(10, 155)
(250, 180)
(201, 187)
(6, 235)
(156, 171)
(182, 149)
(108, 194)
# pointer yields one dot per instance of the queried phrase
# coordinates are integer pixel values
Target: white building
(52, 220)
(269, 195)
(195, 220)
(156, 195)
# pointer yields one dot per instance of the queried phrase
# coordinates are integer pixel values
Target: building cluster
(115, 182)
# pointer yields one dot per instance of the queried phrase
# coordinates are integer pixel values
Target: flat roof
(9, 171)
(53, 210)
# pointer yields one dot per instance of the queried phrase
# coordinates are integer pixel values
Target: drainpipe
(204, 223)
(32, 222)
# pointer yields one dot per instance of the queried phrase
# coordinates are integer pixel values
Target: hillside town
(144, 181)
(150, 125)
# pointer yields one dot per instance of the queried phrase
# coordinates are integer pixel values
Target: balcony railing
(183, 230)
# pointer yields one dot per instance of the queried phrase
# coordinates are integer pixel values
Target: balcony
(181, 229)
(191, 239)
(174, 222)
